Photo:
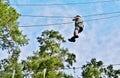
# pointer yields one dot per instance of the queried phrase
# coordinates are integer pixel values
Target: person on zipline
(78, 27)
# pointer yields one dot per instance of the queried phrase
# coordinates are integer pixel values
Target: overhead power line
(45, 16)
(71, 22)
(77, 3)
(47, 24)
(80, 67)
(113, 65)
(70, 17)
(102, 18)
(102, 14)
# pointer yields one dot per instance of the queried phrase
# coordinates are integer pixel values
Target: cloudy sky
(100, 38)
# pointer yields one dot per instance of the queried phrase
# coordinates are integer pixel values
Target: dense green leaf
(95, 69)
(10, 35)
(50, 56)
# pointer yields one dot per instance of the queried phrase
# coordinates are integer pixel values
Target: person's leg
(75, 35)
(76, 31)
(80, 30)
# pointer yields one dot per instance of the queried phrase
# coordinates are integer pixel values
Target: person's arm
(75, 18)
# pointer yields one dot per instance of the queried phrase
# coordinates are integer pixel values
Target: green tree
(10, 35)
(50, 56)
(11, 39)
(96, 69)
(10, 65)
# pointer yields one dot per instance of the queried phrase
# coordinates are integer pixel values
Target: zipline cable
(45, 16)
(70, 22)
(102, 14)
(47, 24)
(103, 18)
(78, 3)
(70, 17)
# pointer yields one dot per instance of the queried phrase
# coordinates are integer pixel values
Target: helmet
(78, 16)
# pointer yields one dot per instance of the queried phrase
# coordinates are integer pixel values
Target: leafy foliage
(7, 66)
(50, 56)
(11, 38)
(10, 35)
(96, 69)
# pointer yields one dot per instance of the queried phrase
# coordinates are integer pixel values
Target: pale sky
(100, 38)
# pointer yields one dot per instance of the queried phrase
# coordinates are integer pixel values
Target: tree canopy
(48, 60)
(10, 35)
(96, 69)
(50, 56)
(11, 38)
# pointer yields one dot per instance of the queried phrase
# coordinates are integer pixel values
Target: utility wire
(102, 18)
(45, 16)
(71, 22)
(70, 68)
(47, 24)
(102, 14)
(78, 3)
(113, 65)
(70, 17)
(80, 67)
